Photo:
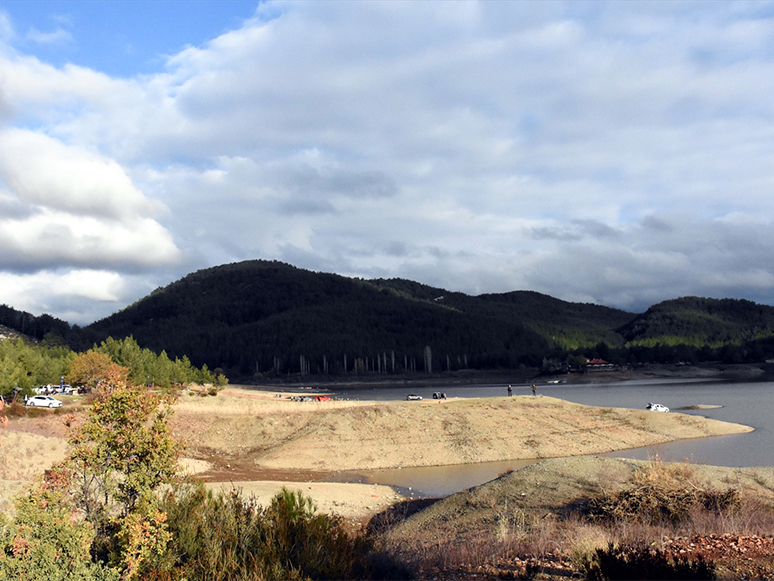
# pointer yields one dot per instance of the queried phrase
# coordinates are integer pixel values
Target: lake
(748, 402)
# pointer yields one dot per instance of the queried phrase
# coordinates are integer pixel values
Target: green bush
(45, 542)
(226, 536)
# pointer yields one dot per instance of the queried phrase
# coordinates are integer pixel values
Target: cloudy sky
(605, 152)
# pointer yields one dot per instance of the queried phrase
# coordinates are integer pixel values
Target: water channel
(750, 403)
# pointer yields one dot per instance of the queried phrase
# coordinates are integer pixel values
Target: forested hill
(29, 325)
(700, 321)
(275, 318)
(567, 325)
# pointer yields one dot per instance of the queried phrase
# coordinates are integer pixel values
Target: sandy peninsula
(259, 442)
(246, 428)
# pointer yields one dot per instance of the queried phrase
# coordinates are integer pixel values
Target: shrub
(46, 542)
(661, 493)
(223, 536)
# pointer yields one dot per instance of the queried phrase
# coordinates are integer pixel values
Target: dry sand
(252, 439)
(358, 502)
(328, 436)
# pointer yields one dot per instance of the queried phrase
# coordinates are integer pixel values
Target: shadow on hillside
(399, 512)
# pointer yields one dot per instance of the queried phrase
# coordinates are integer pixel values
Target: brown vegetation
(545, 521)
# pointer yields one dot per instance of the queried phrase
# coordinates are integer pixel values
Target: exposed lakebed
(750, 403)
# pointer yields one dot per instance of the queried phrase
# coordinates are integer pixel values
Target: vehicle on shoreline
(656, 407)
(413, 397)
(43, 401)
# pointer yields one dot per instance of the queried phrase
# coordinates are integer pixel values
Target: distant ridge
(271, 317)
(700, 321)
(268, 318)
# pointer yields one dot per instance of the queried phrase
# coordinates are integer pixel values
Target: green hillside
(274, 318)
(564, 324)
(701, 322)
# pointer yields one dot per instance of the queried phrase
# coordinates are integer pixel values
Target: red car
(322, 398)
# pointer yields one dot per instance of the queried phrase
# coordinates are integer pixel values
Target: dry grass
(661, 491)
(564, 536)
(350, 435)
(24, 456)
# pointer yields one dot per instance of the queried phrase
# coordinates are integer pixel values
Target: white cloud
(58, 36)
(76, 296)
(49, 239)
(607, 152)
(45, 172)
(66, 206)
(90, 284)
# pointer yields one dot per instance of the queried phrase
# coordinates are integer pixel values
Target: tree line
(268, 319)
(25, 365)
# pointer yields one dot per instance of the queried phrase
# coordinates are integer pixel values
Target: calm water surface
(749, 403)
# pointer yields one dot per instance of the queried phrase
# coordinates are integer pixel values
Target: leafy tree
(119, 457)
(124, 450)
(92, 369)
(24, 365)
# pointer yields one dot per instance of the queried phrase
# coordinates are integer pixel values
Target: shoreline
(246, 434)
(266, 433)
(528, 376)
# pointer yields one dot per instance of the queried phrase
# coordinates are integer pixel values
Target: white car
(657, 407)
(413, 397)
(43, 401)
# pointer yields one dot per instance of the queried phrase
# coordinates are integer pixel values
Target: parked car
(413, 397)
(322, 398)
(43, 401)
(656, 407)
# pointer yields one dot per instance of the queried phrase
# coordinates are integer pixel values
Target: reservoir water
(749, 402)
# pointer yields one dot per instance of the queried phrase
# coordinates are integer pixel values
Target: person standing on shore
(510, 391)
(533, 390)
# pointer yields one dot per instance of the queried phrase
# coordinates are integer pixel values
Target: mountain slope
(259, 315)
(567, 325)
(700, 321)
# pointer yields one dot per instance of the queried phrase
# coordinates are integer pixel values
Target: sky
(617, 153)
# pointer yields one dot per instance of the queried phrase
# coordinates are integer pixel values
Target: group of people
(510, 390)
